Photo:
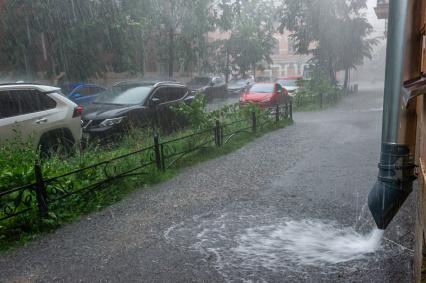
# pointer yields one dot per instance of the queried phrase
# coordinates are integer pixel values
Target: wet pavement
(232, 218)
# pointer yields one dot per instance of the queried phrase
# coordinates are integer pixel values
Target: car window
(262, 88)
(170, 94)
(288, 82)
(87, 90)
(177, 93)
(131, 96)
(217, 80)
(20, 102)
(162, 94)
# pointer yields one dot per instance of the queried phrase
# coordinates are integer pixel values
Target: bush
(316, 92)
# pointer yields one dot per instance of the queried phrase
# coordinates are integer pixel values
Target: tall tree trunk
(227, 66)
(254, 70)
(346, 83)
(171, 52)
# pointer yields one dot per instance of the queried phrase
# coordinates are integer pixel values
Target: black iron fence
(47, 192)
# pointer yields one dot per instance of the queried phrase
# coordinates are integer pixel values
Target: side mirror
(155, 101)
(75, 95)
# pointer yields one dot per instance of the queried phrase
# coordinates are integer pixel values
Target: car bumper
(101, 133)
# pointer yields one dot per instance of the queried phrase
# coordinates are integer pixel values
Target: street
(213, 222)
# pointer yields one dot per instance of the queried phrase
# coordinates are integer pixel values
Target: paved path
(222, 220)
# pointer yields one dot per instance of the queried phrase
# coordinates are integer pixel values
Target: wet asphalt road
(187, 229)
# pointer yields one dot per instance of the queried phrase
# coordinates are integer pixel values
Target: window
(88, 90)
(291, 45)
(217, 80)
(263, 88)
(124, 96)
(9, 105)
(177, 93)
(20, 102)
(170, 94)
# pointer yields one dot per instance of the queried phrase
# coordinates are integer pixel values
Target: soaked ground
(289, 207)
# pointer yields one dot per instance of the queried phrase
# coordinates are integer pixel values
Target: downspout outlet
(394, 184)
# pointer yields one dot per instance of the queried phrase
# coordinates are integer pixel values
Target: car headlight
(111, 122)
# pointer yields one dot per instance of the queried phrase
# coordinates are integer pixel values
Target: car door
(26, 115)
(168, 97)
(220, 87)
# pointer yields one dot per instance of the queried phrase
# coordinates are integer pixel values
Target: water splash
(306, 242)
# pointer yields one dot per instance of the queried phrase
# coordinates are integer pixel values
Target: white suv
(40, 113)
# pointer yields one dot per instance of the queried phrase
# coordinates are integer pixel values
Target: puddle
(307, 242)
(249, 246)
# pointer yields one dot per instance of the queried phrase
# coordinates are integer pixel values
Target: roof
(42, 88)
(148, 83)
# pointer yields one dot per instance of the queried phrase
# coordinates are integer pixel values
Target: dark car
(134, 104)
(212, 87)
(236, 87)
(81, 93)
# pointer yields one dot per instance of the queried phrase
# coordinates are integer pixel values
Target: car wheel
(56, 146)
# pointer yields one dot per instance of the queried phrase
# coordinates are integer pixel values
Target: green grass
(19, 170)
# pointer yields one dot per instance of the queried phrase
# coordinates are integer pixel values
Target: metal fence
(46, 192)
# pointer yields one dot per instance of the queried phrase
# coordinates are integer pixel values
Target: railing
(46, 193)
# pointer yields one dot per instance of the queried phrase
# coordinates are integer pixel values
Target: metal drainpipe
(394, 69)
(396, 167)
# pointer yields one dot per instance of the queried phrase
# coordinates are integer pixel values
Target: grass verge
(23, 229)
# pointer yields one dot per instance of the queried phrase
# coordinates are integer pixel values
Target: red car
(265, 95)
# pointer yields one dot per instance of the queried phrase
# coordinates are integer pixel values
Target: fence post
(41, 194)
(217, 133)
(254, 122)
(157, 151)
(163, 159)
(277, 114)
(291, 109)
(287, 109)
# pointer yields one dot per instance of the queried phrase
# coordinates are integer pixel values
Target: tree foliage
(76, 37)
(251, 28)
(335, 32)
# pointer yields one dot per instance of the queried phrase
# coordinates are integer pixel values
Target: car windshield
(238, 82)
(120, 96)
(200, 81)
(262, 88)
(287, 82)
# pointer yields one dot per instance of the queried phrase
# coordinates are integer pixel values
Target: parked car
(236, 87)
(291, 84)
(40, 113)
(134, 104)
(81, 93)
(265, 95)
(212, 87)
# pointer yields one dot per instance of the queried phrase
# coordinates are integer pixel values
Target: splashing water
(306, 242)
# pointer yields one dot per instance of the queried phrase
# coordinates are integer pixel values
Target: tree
(251, 26)
(354, 44)
(333, 31)
(73, 37)
(179, 28)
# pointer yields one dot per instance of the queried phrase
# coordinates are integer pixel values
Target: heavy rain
(212, 140)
